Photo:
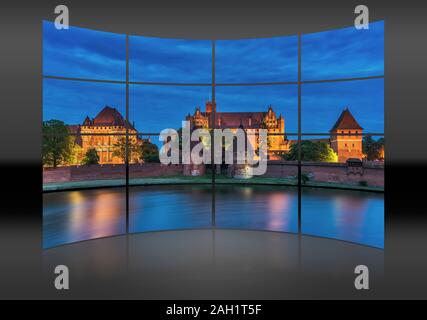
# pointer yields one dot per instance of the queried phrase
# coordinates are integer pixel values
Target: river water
(87, 214)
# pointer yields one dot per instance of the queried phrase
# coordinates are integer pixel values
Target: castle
(102, 133)
(349, 143)
(250, 121)
(341, 141)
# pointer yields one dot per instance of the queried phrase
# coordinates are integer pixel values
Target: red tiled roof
(249, 120)
(109, 117)
(346, 121)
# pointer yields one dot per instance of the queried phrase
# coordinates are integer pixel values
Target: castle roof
(249, 120)
(232, 120)
(87, 121)
(108, 116)
(346, 121)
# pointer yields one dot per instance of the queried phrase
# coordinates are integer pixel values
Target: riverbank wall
(109, 171)
(369, 173)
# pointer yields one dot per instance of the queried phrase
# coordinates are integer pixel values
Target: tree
(56, 145)
(312, 151)
(150, 152)
(373, 150)
(134, 149)
(76, 152)
(91, 157)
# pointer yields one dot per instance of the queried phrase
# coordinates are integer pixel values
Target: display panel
(325, 136)
(155, 207)
(257, 207)
(352, 105)
(343, 53)
(74, 102)
(83, 53)
(257, 60)
(153, 108)
(77, 215)
(246, 102)
(83, 124)
(356, 216)
(170, 60)
(342, 178)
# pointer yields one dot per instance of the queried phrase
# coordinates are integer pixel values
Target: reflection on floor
(214, 264)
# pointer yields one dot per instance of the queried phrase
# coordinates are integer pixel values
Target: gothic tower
(346, 140)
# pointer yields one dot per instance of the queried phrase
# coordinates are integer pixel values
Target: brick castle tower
(346, 140)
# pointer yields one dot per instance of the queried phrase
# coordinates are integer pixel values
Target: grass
(219, 179)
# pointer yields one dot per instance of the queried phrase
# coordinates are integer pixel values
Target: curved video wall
(108, 97)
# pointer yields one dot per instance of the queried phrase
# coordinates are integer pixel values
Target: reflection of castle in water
(345, 137)
(104, 131)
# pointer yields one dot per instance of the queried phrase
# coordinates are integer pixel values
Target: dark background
(21, 257)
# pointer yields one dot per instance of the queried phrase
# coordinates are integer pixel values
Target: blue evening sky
(170, 60)
(154, 108)
(71, 101)
(364, 98)
(83, 53)
(341, 53)
(257, 60)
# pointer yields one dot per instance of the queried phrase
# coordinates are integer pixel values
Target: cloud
(257, 60)
(170, 60)
(343, 53)
(322, 103)
(83, 53)
(340, 53)
(71, 101)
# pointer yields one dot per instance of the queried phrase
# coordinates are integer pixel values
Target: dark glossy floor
(213, 264)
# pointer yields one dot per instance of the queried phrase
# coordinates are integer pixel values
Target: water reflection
(346, 215)
(257, 207)
(81, 215)
(170, 207)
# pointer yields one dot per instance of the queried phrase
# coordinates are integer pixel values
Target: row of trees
(59, 148)
(321, 151)
(312, 151)
(373, 149)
